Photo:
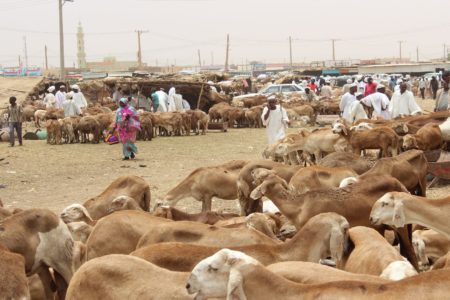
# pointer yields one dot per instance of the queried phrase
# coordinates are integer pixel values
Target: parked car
(286, 89)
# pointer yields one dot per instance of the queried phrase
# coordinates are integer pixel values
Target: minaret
(81, 55)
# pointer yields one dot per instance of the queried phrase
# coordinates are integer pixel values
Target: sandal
(125, 158)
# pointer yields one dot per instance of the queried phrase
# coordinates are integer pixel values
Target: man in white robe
(60, 97)
(346, 100)
(346, 87)
(326, 90)
(162, 97)
(403, 103)
(78, 97)
(356, 110)
(442, 96)
(171, 100)
(379, 102)
(71, 109)
(276, 120)
(50, 99)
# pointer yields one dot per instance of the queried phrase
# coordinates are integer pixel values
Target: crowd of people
(158, 101)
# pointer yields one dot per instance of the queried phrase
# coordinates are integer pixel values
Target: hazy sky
(259, 29)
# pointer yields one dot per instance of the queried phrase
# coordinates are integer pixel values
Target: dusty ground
(40, 175)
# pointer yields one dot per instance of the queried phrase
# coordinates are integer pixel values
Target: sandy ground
(40, 175)
(16, 86)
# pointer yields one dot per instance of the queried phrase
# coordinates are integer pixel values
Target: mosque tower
(81, 55)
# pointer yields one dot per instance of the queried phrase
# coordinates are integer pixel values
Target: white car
(286, 89)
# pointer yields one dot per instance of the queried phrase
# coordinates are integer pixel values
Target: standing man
(275, 118)
(346, 87)
(312, 85)
(379, 102)
(422, 86)
(392, 83)
(346, 102)
(434, 84)
(370, 88)
(117, 95)
(442, 95)
(403, 103)
(326, 90)
(50, 99)
(60, 96)
(361, 85)
(78, 97)
(155, 100)
(71, 109)
(14, 118)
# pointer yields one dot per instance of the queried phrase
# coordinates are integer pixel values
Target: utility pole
(227, 52)
(139, 55)
(199, 59)
(445, 52)
(20, 62)
(25, 52)
(417, 53)
(290, 54)
(212, 58)
(333, 50)
(400, 44)
(46, 58)
(61, 38)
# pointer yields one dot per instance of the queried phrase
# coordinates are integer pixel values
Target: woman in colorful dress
(127, 124)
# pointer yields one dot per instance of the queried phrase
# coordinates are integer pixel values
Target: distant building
(81, 54)
(110, 64)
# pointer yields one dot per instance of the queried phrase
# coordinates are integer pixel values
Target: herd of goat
(332, 213)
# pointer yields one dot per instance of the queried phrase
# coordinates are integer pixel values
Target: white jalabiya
(275, 124)
(403, 104)
(60, 98)
(171, 100)
(344, 105)
(326, 91)
(357, 112)
(50, 100)
(162, 98)
(380, 104)
(79, 100)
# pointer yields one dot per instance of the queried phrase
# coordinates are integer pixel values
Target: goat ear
(405, 128)
(398, 217)
(234, 287)
(337, 242)
(86, 213)
(257, 193)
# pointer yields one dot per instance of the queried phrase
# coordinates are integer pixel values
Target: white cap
(399, 81)
(210, 82)
(272, 98)
(75, 87)
(51, 89)
(380, 86)
(354, 84)
(349, 81)
(62, 86)
(358, 94)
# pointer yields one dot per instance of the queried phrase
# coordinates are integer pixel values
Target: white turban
(349, 81)
(75, 87)
(354, 84)
(51, 89)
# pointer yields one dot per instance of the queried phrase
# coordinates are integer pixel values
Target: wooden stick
(200, 96)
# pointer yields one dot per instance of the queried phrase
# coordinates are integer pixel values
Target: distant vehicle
(286, 89)
(141, 74)
(186, 72)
